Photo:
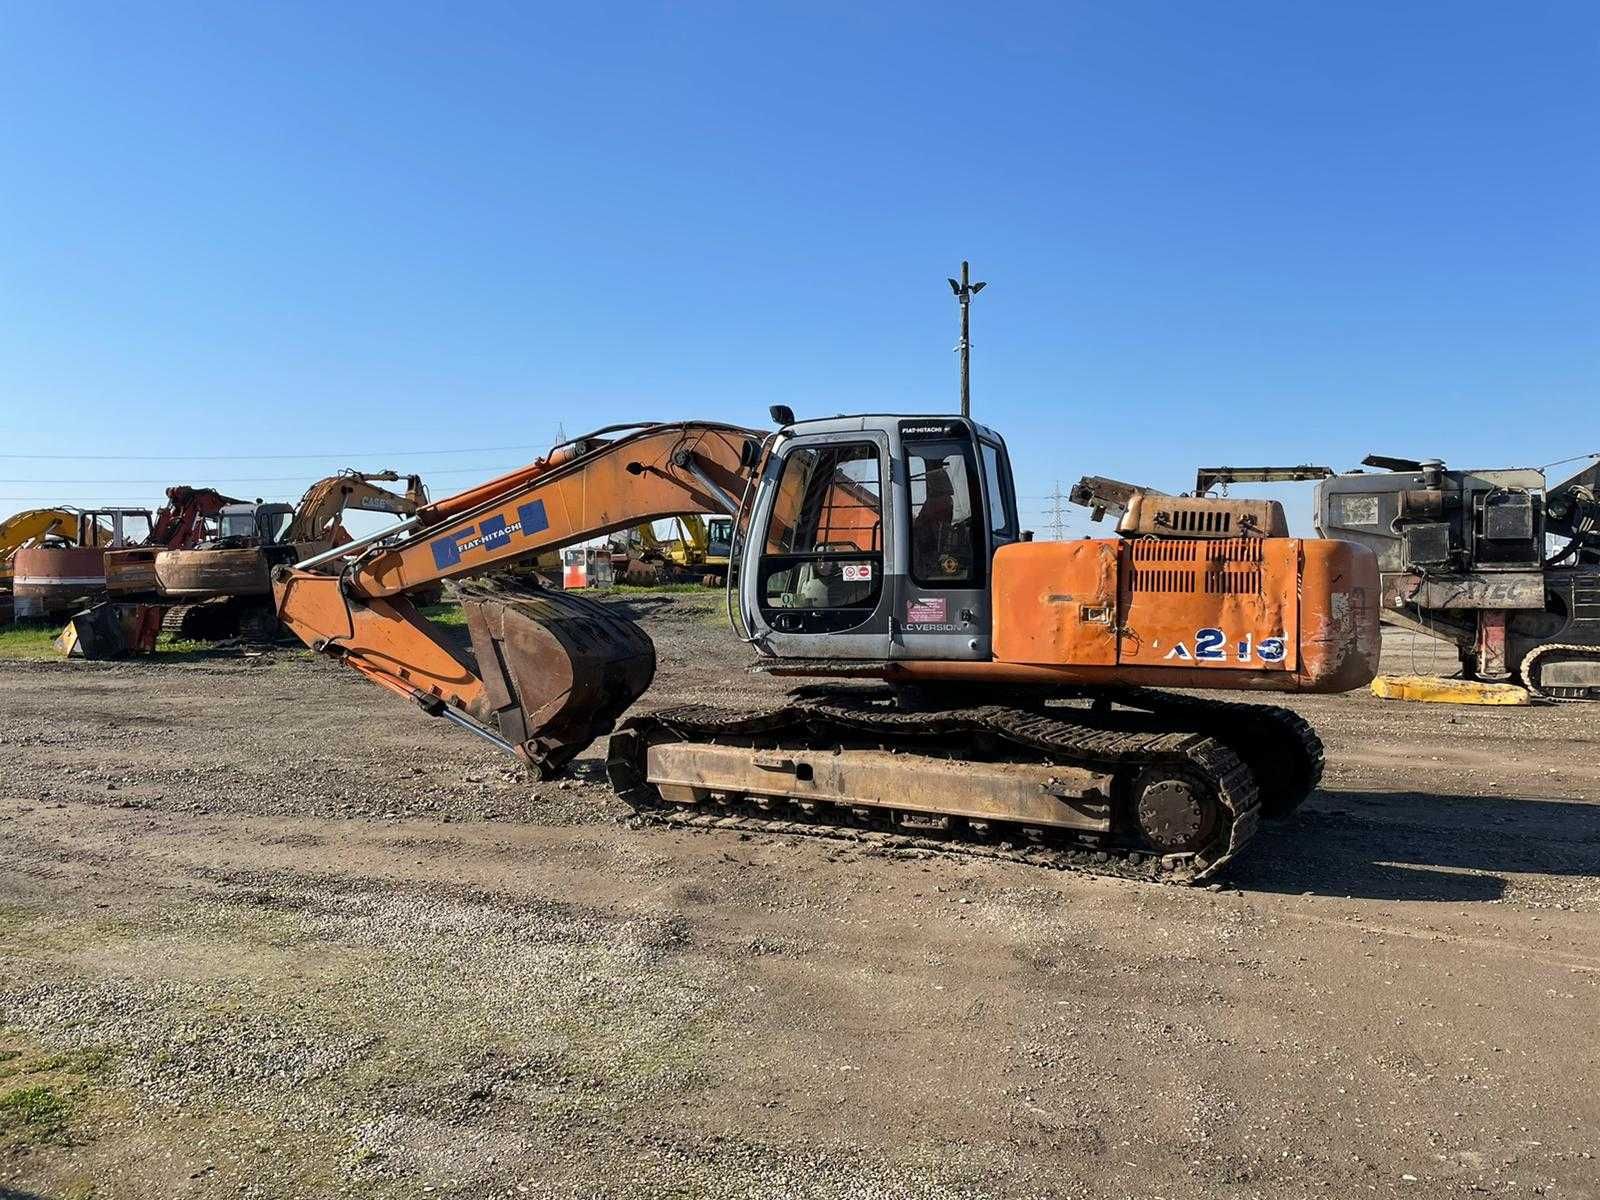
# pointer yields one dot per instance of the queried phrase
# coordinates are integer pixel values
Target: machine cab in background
(872, 537)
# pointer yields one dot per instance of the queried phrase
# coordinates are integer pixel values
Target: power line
(324, 454)
(253, 478)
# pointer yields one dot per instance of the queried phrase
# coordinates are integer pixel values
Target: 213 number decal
(1211, 645)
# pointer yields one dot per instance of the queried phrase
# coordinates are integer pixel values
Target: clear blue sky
(1244, 232)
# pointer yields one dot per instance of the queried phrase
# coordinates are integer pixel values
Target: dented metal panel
(1229, 603)
(1522, 590)
(1056, 602)
(1190, 613)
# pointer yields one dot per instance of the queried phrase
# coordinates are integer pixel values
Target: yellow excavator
(692, 551)
(31, 527)
(968, 687)
(641, 556)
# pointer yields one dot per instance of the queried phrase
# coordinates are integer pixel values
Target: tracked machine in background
(188, 517)
(1498, 563)
(31, 527)
(222, 586)
(961, 683)
(696, 552)
(123, 614)
(52, 576)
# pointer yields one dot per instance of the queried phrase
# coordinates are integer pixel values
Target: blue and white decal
(492, 533)
(1208, 645)
(1212, 645)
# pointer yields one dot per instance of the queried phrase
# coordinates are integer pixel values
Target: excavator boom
(553, 671)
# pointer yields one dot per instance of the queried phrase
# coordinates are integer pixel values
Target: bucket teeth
(558, 669)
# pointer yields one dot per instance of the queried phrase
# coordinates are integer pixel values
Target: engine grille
(1160, 566)
(1221, 568)
(1191, 520)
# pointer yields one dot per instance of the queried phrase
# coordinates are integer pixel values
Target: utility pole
(965, 291)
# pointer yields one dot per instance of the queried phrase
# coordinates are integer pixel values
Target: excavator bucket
(558, 669)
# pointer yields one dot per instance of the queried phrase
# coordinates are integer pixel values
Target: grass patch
(445, 613)
(13, 917)
(34, 641)
(29, 641)
(90, 1063)
(169, 643)
(36, 1113)
(665, 589)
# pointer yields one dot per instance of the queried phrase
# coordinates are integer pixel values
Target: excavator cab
(872, 538)
(241, 525)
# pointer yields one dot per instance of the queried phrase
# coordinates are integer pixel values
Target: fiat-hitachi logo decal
(490, 534)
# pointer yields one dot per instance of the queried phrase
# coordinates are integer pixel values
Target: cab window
(1002, 521)
(823, 566)
(275, 526)
(946, 526)
(238, 525)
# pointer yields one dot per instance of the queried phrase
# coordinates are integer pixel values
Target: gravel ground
(266, 931)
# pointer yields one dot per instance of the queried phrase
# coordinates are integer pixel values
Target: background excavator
(32, 526)
(122, 614)
(967, 683)
(185, 520)
(642, 557)
(221, 587)
(54, 573)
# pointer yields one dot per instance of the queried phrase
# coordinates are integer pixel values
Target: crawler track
(1278, 744)
(1123, 744)
(1533, 660)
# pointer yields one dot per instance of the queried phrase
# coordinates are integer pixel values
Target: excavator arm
(180, 523)
(549, 671)
(316, 517)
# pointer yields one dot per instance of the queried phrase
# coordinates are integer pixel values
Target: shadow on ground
(587, 770)
(1419, 846)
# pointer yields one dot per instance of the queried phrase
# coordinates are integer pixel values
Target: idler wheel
(1173, 813)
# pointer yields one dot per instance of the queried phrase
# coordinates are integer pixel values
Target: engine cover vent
(1180, 517)
(1233, 581)
(1156, 566)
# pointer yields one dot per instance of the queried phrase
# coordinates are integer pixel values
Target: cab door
(819, 549)
(950, 525)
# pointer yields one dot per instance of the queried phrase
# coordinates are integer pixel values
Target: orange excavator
(962, 683)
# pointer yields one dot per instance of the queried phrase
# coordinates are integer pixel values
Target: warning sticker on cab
(857, 572)
(927, 610)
